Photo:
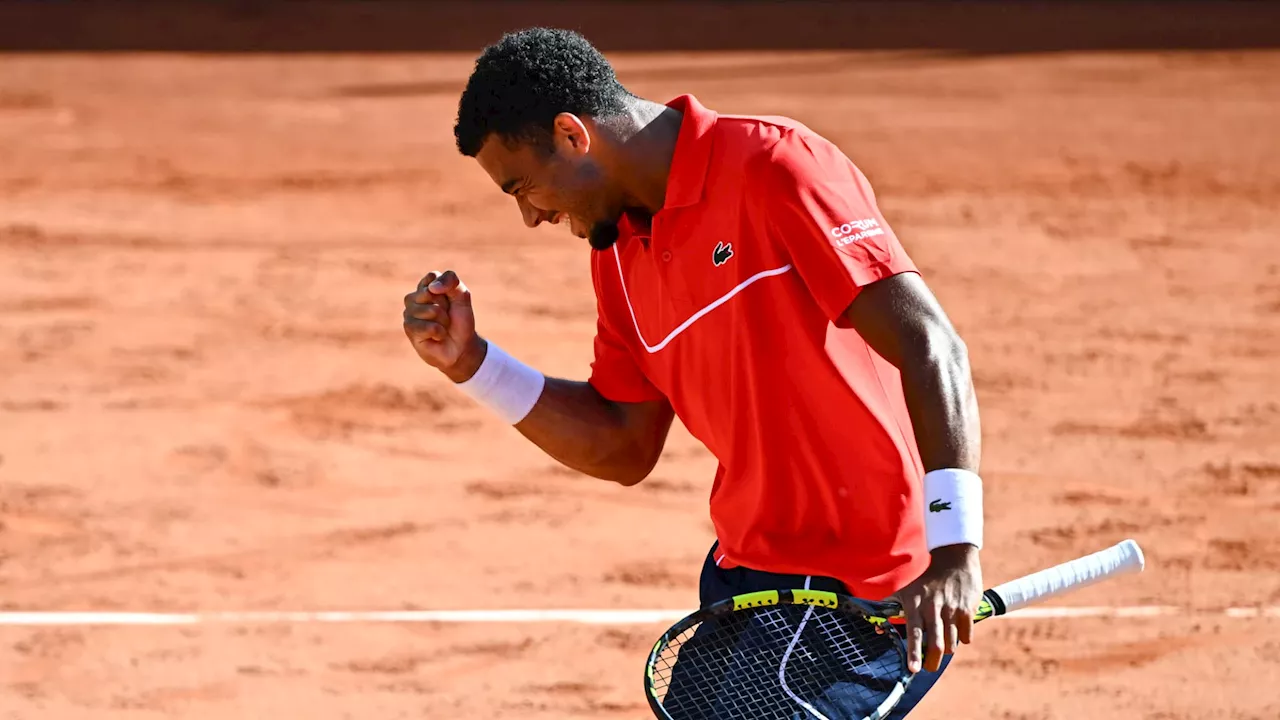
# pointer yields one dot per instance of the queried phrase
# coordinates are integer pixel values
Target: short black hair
(524, 80)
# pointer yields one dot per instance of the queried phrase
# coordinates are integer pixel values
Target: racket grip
(1120, 559)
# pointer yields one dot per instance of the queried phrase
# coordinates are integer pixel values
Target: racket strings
(786, 662)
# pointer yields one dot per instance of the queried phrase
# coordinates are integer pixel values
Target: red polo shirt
(725, 305)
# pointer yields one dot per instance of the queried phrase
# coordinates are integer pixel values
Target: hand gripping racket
(813, 655)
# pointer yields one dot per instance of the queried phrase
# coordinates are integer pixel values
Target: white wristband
(506, 385)
(953, 508)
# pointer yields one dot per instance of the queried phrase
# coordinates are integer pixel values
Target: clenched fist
(439, 322)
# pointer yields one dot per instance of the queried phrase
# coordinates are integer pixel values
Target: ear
(570, 134)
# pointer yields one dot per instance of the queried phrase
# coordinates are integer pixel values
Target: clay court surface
(207, 402)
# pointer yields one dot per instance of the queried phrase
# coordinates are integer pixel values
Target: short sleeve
(615, 374)
(819, 206)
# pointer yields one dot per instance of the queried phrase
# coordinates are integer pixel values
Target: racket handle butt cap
(1131, 546)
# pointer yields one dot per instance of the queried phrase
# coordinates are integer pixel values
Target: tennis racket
(814, 655)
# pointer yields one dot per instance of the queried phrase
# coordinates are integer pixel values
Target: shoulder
(756, 138)
(773, 150)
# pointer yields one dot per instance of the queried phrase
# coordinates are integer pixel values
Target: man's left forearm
(940, 398)
(902, 321)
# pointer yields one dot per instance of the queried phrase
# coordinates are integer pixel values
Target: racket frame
(1120, 559)
(877, 613)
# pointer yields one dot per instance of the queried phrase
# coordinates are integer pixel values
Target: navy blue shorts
(718, 584)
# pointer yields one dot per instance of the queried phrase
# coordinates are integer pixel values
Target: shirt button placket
(653, 231)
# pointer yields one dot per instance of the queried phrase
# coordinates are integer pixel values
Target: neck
(644, 141)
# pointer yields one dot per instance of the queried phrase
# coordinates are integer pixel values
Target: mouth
(563, 218)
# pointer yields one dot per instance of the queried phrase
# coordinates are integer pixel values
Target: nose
(533, 217)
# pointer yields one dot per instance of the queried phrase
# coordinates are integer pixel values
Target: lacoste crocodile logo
(722, 253)
(939, 506)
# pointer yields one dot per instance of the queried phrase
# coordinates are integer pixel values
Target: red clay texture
(207, 401)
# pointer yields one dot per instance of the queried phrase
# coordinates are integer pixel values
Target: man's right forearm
(576, 425)
(573, 423)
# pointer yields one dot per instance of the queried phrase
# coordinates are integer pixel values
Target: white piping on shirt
(696, 316)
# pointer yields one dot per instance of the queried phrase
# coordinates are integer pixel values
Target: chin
(603, 235)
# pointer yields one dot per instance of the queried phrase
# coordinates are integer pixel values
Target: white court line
(589, 617)
(586, 617)
(1252, 612)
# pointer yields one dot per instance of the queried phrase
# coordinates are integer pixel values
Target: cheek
(549, 201)
(539, 201)
(557, 200)
(581, 187)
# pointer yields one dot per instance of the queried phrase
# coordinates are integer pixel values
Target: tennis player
(747, 282)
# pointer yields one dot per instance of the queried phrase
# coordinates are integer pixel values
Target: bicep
(899, 317)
